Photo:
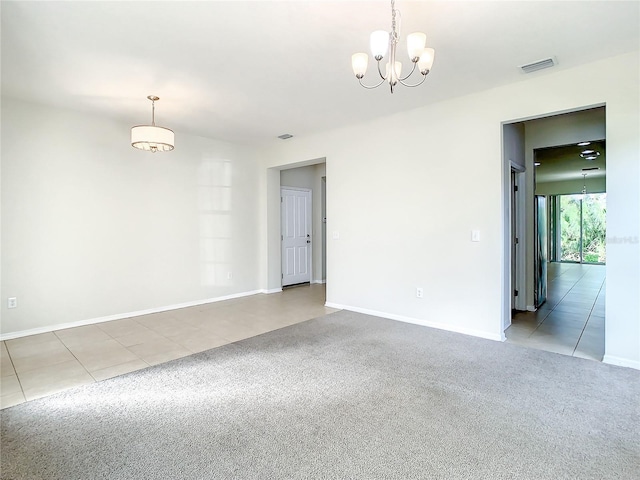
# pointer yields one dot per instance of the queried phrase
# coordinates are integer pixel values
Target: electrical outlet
(12, 302)
(229, 275)
(419, 292)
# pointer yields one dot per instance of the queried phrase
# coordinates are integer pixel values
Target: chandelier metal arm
(424, 77)
(380, 72)
(401, 80)
(372, 86)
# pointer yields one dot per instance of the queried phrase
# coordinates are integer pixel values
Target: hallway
(571, 321)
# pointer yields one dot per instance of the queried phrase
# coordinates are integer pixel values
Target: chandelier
(151, 137)
(381, 41)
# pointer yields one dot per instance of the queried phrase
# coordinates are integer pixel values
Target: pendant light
(151, 137)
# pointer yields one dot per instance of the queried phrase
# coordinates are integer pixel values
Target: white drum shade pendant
(151, 137)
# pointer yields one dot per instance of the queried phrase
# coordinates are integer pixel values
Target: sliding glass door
(578, 228)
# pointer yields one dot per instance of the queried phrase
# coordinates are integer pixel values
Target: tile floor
(40, 365)
(571, 321)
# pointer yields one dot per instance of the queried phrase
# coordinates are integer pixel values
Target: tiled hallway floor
(571, 321)
(40, 365)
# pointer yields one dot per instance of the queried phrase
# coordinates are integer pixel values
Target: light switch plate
(475, 235)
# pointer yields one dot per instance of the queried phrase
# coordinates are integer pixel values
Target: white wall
(513, 137)
(310, 177)
(92, 227)
(568, 187)
(300, 177)
(404, 209)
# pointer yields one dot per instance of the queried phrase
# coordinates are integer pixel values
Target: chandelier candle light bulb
(415, 45)
(360, 62)
(426, 60)
(382, 42)
(379, 41)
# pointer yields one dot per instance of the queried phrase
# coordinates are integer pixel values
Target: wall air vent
(539, 65)
(590, 169)
(285, 136)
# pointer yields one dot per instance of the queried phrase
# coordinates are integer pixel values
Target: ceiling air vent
(539, 65)
(285, 136)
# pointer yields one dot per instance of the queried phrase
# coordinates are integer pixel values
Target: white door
(296, 236)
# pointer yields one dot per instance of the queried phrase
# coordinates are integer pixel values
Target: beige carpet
(341, 396)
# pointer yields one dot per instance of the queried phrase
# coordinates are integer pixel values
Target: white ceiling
(249, 71)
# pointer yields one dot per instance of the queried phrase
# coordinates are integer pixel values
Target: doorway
(564, 222)
(303, 176)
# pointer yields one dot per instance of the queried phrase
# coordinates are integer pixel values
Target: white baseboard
(424, 323)
(621, 362)
(531, 308)
(121, 316)
(319, 281)
(273, 290)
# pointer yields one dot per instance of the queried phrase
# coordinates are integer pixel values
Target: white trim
(424, 323)
(516, 166)
(273, 290)
(531, 308)
(521, 233)
(508, 324)
(621, 362)
(319, 281)
(120, 316)
(299, 189)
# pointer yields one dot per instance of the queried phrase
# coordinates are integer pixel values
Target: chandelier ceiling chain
(381, 41)
(394, 29)
(151, 137)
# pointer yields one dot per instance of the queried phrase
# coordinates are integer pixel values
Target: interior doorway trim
(519, 260)
(526, 193)
(272, 273)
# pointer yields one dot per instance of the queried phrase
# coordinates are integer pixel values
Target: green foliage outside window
(594, 213)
